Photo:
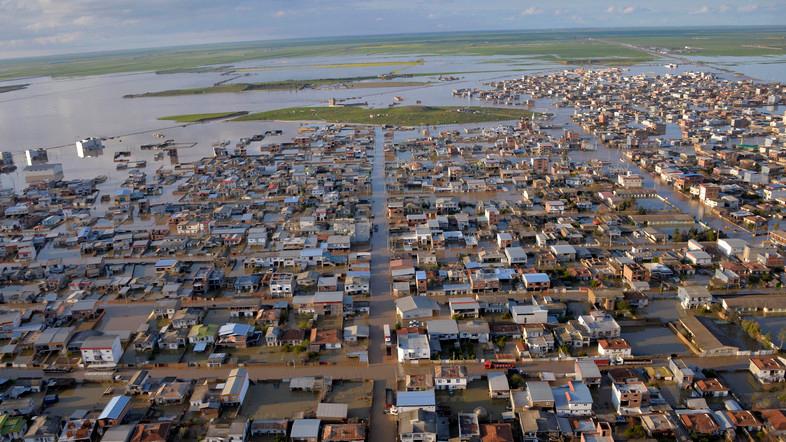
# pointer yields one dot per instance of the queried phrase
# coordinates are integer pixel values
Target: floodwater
(653, 340)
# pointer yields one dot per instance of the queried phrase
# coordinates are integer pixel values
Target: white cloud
(724, 8)
(279, 13)
(532, 10)
(704, 9)
(630, 9)
(750, 7)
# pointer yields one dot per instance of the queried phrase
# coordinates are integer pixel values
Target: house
(464, 307)
(683, 374)
(498, 385)
(79, 430)
(710, 387)
(599, 324)
(630, 397)
(538, 394)
(768, 369)
(775, 421)
(235, 388)
(101, 351)
(573, 399)
(138, 382)
(496, 433)
(151, 432)
(536, 281)
(187, 317)
(694, 296)
(413, 307)
(172, 393)
(529, 314)
(42, 429)
(352, 432)
(516, 255)
(450, 377)
(324, 339)
(699, 422)
(731, 246)
(587, 371)
(475, 330)
(442, 329)
(115, 411)
(12, 428)
(411, 345)
(269, 428)
(616, 348)
(415, 400)
(205, 333)
(236, 431)
(282, 284)
(328, 412)
(417, 425)
(235, 335)
(305, 430)
(564, 252)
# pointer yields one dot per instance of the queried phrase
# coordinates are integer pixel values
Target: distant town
(610, 266)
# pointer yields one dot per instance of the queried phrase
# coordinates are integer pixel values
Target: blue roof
(114, 408)
(425, 398)
(535, 277)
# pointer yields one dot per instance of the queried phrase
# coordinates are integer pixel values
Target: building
(529, 314)
(536, 281)
(89, 147)
(630, 397)
(573, 399)
(450, 377)
(412, 345)
(617, 348)
(414, 307)
(694, 296)
(768, 369)
(599, 324)
(235, 388)
(101, 351)
(115, 410)
(498, 385)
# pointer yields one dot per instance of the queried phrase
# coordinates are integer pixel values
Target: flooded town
(573, 251)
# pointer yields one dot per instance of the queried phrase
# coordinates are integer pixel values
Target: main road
(382, 309)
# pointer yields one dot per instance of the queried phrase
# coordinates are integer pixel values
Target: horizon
(366, 37)
(45, 27)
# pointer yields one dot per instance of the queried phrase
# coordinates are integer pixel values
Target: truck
(388, 338)
(500, 361)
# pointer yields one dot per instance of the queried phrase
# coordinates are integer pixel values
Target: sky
(47, 27)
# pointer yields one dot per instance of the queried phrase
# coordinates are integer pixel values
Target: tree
(635, 432)
(782, 336)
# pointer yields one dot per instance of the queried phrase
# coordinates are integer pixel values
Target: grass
(200, 118)
(350, 82)
(396, 116)
(564, 46)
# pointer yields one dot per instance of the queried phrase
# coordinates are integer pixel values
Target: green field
(563, 46)
(201, 118)
(351, 82)
(397, 116)
(713, 44)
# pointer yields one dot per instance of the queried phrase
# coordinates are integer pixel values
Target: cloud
(724, 8)
(532, 10)
(750, 7)
(279, 14)
(624, 10)
(704, 9)
(630, 9)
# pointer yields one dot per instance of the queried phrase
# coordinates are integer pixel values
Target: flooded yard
(729, 333)
(667, 310)
(772, 325)
(646, 341)
(753, 394)
(273, 400)
(357, 395)
(476, 395)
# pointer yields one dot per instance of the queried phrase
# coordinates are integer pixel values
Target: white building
(235, 388)
(101, 351)
(694, 296)
(600, 324)
(768, 369)
(529, 314)
(573, 399)
(450, 377)
(89, 147)
(412, 346)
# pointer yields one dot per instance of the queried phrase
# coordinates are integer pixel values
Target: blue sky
(42, 27)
